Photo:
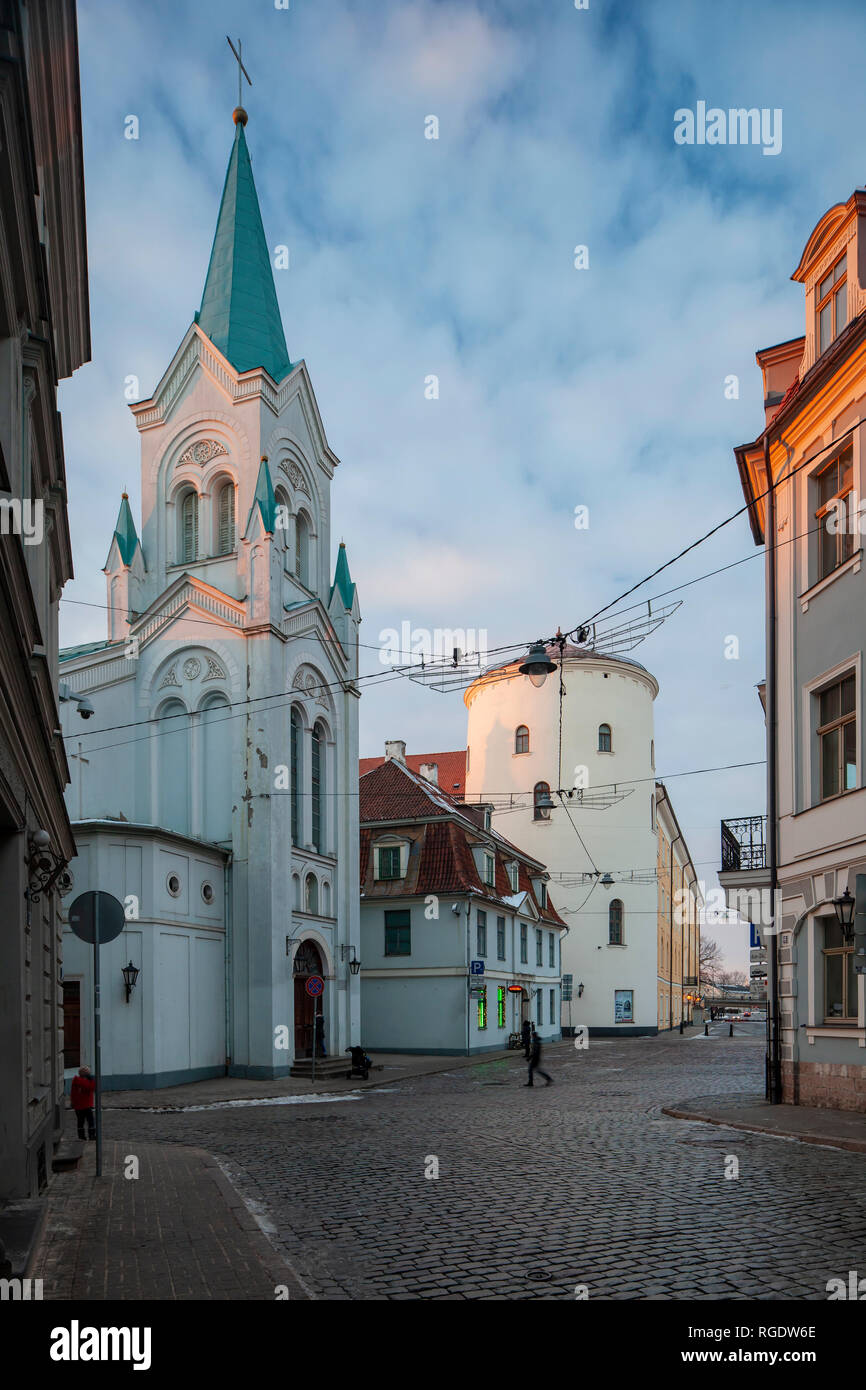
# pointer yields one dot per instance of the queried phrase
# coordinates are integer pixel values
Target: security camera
(85, 708)
(455, 908)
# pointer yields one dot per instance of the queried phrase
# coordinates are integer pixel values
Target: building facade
(213, 788)
(44, 336)
(460, 942)
(803, 478)
(680, 901)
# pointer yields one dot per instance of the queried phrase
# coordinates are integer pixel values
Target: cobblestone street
(581, 1183)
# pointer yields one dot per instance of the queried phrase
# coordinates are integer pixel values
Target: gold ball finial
(239, 116)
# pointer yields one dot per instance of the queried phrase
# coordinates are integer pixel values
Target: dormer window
(489, 870)
(831, 307)
(388, 862)
(487, 815)
(513, 876)
(542, 894)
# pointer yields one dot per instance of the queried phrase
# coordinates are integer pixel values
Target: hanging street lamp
(537, 664)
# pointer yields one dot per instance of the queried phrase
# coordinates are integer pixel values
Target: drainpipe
(774, 1059)
(227, 900)
(468, 976)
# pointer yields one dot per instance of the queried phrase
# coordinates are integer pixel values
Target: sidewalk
(177, 1231)
(388, 1067)
(840, 1129)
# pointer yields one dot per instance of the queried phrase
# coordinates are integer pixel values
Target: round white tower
(604, 757)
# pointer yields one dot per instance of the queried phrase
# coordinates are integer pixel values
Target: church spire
(124, 533)
(239, 310)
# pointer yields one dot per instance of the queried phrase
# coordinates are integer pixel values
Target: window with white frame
(489, 870)
(835, 534)
(840, 982)
(388, 862)
(831, 309)
(500, 938)
(513, 875)
(481, 935)
(836, 730)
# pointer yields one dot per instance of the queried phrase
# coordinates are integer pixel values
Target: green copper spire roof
(343, 579)
(239, 310)
(125, 533)
(264, 498)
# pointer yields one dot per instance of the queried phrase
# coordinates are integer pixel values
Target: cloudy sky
(601, 387)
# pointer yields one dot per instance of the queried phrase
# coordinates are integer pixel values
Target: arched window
(326, 899)
(615, 915)
(296, 735)
(226, 519)
(521, 739)
(296, 892)
(172, 762)
(653, 754)
(189, 528)
(604, 738)
(311, 895)
(216, 762)
(540, 795)
(284, 521)
(302, 549)
(317, 786)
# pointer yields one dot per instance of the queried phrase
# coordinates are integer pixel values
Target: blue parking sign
(476, 967)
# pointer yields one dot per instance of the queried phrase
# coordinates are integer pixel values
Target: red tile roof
(452, 767)
(440, 852)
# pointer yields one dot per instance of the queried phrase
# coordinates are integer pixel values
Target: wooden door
(72, 1023)
(307, 962)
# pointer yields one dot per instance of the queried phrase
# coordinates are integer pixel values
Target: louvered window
(189, 527)
(316, 787)
(226, 537)
(295, 754)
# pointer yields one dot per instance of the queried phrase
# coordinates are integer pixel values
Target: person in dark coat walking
(526, 1035)
(535, 1060)
(81, 1096)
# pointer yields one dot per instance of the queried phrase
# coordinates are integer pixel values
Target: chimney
(395, 748)
(431, 772)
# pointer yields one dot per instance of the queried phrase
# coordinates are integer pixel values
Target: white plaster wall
(618, 839)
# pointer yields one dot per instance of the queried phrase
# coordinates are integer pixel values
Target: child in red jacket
(81, 1096)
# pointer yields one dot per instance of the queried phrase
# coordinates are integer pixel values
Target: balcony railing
(744, 843)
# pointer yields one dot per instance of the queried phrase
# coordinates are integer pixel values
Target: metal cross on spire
(242, 72)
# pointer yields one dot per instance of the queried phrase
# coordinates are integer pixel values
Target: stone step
(67, 1155)
(325, 1066)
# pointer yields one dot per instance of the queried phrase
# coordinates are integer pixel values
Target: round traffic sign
(92, 910)
(315, 984)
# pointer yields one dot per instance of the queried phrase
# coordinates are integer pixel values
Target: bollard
(730, 1030)
(706, 1030)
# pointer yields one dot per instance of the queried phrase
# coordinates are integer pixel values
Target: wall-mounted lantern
(130, 975)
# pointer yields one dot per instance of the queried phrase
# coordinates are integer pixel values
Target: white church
(212, 787)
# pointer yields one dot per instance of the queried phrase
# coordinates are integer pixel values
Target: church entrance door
(308, 961)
